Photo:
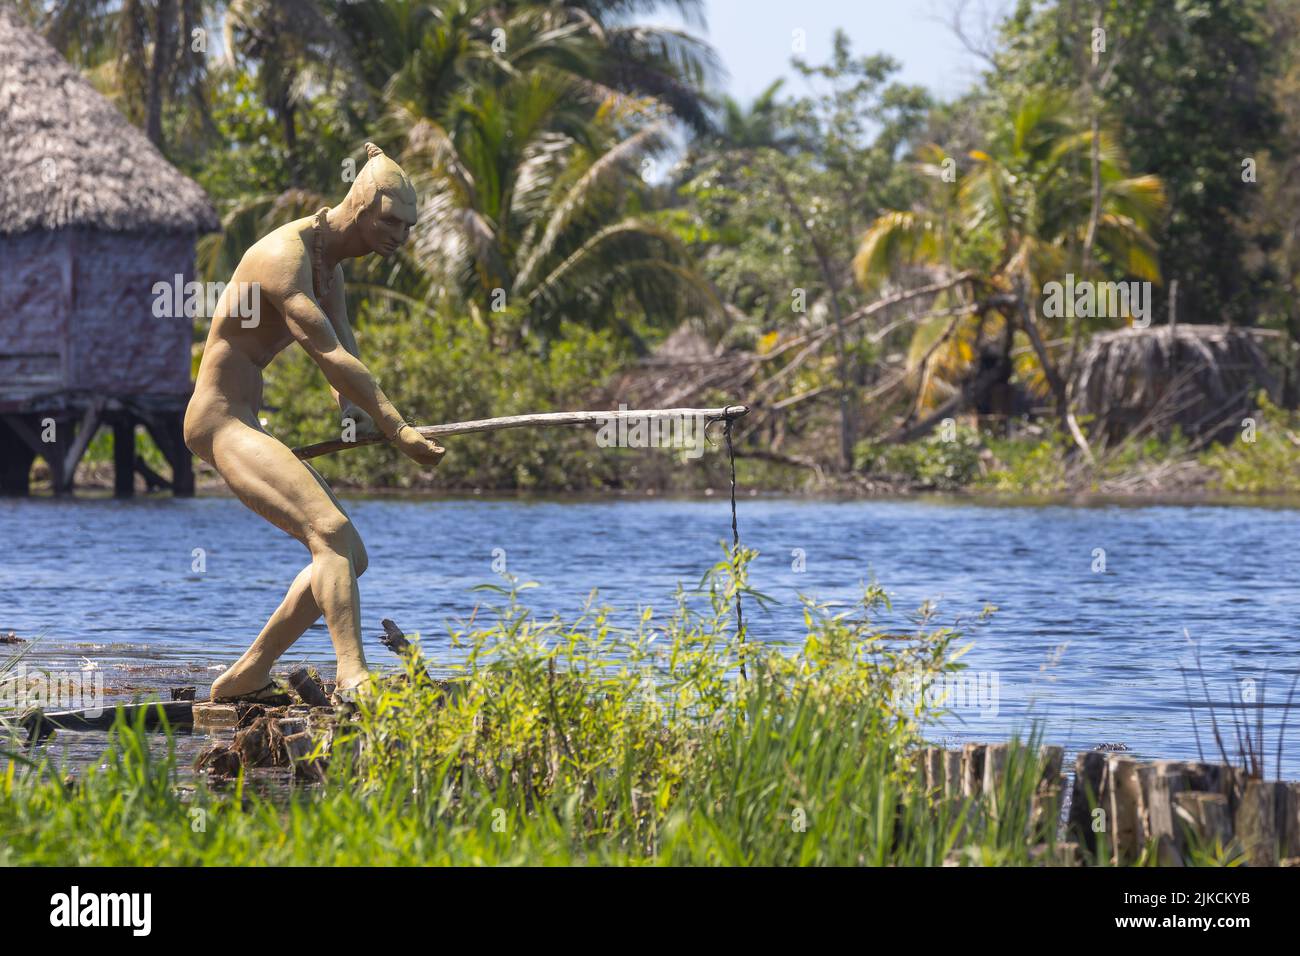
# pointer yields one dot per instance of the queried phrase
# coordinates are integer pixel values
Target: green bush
(436, 369)
(1265, 460)
(947, 459)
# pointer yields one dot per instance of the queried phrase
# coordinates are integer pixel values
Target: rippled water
(1095, 655)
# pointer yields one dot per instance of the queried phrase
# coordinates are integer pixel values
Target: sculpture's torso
(229, 381)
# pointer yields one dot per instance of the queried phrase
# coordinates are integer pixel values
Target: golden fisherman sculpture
(296, 270)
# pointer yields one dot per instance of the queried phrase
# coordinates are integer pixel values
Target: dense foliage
(880, 260)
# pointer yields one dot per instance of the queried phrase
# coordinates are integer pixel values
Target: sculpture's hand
(418, 448)
(365, 425)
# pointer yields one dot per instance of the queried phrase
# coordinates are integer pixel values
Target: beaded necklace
(321, 282)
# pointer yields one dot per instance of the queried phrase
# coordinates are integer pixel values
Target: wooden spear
(545, 420)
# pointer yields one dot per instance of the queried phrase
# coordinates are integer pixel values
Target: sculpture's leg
(297, 612)
(271, 481)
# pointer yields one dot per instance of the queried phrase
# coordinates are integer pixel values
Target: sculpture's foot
(238, 681)
(272, 695)
(351, 680)
(347, 687)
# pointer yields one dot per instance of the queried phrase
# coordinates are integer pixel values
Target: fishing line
(735, 545)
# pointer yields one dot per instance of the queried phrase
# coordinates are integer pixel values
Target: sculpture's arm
(336, 308)
(348, 375)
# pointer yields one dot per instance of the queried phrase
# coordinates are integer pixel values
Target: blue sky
(754, 37)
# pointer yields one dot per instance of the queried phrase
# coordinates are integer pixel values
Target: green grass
(563, 742)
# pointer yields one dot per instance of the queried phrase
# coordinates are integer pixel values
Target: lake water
(1095, 655)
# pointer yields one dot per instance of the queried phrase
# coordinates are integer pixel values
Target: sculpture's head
(382, 202)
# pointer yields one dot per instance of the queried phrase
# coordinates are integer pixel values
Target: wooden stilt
(180, 458)
(16, 457)
(167, 432)
(124, 457)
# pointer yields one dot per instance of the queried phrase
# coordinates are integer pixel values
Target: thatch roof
(1203, 378)
(71, 159)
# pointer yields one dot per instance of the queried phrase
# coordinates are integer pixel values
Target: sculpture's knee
(337, 536)
(332, 535)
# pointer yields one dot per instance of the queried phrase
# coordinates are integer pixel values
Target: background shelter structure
(92, 218)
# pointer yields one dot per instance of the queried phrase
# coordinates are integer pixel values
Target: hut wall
(35, 287)
(118, 345)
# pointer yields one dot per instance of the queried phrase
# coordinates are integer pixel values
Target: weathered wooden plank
(178, 715)
(1205, 820)
(209, 716)
(952, 777)
(1260, 822)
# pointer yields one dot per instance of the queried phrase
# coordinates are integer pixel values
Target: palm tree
(530, 160)
(1019, 218)
(759, 125)
(294, 49)
(538, 209)
(144, 54)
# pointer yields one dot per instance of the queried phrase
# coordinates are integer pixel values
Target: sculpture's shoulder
(280, 261)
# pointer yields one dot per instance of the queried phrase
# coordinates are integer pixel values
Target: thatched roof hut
(1202, 378)
(92, 218)
(73, 160)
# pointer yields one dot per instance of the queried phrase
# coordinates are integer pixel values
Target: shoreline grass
(576, 742)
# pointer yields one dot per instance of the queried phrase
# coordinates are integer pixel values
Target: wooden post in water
(1045, 808)
(124, 457)
(1087, 796)
(1261, 822)
(1124, 810)
(952, 778)
(1161, 783)
(995, 772)
(934, 771)
(972, 770)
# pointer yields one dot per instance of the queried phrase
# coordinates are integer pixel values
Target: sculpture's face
(387, 223)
